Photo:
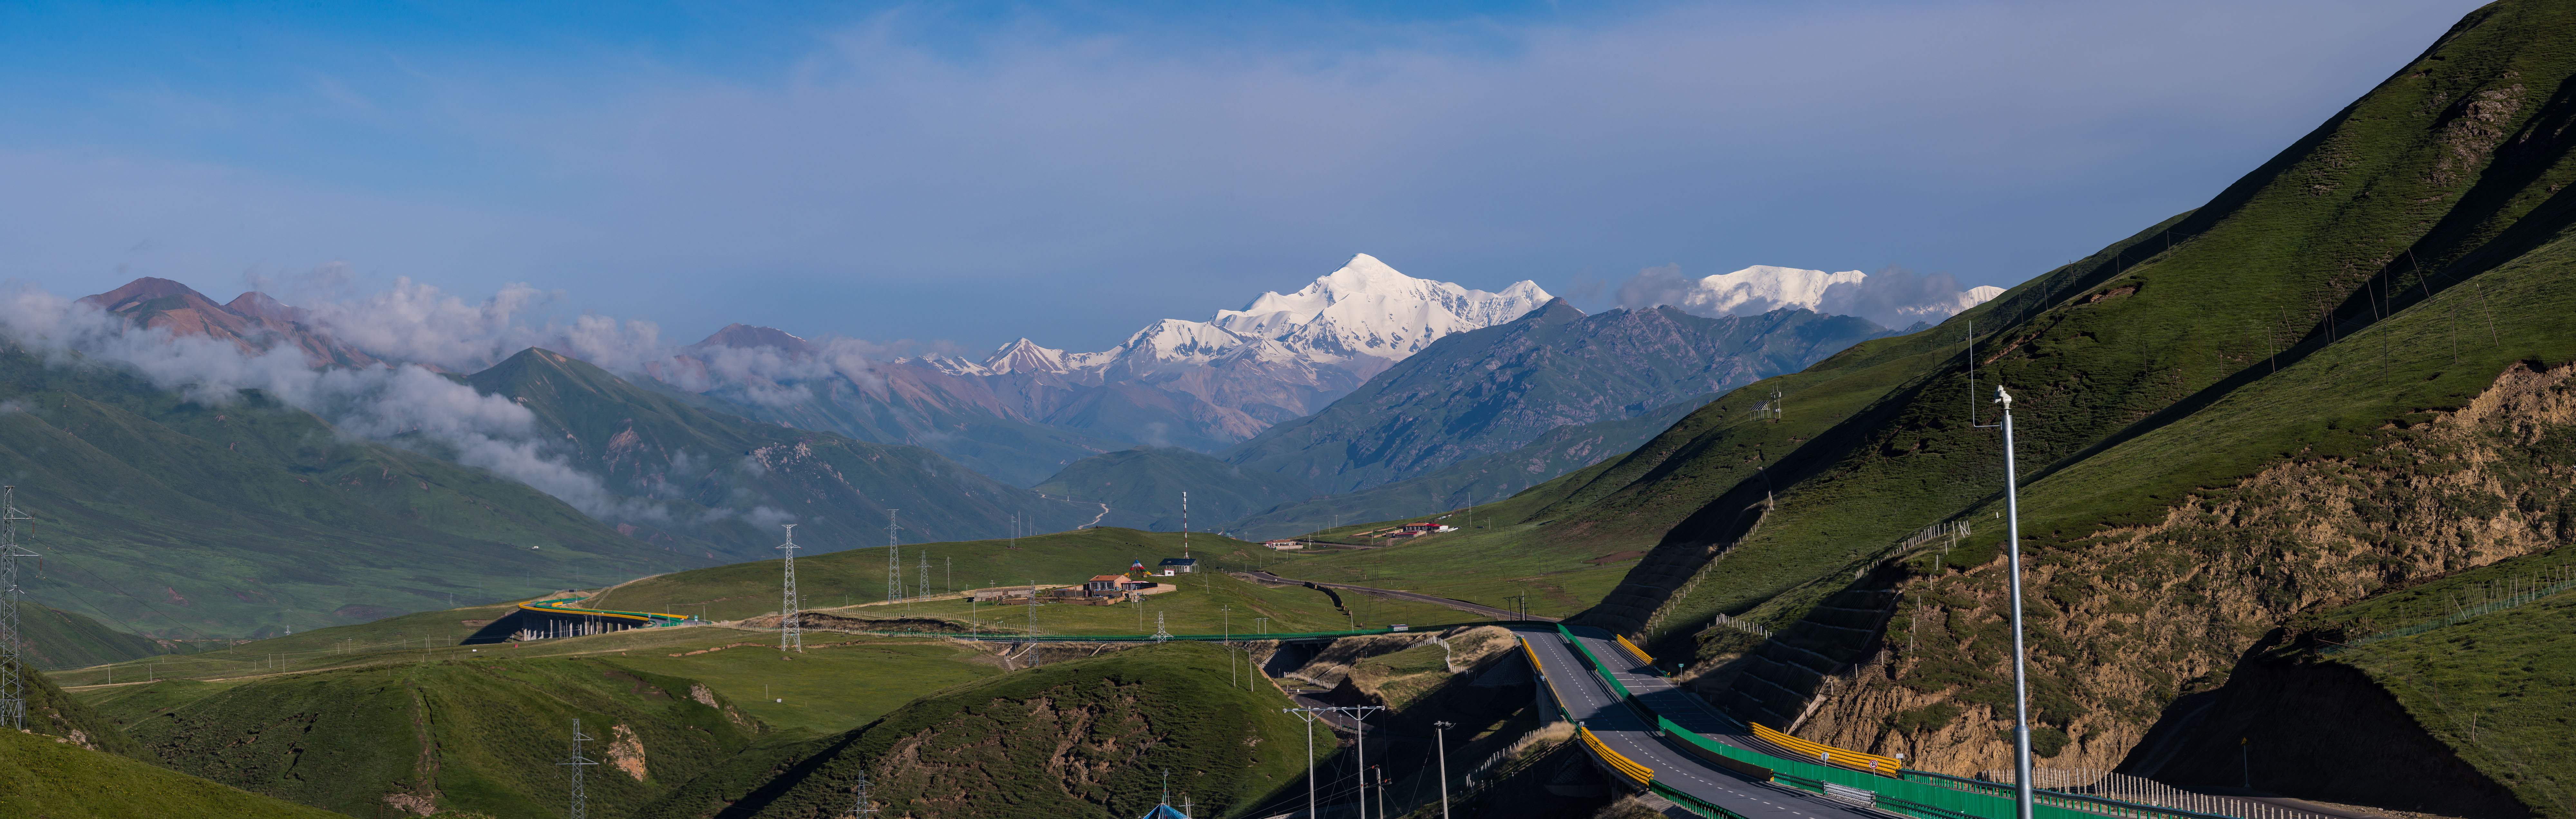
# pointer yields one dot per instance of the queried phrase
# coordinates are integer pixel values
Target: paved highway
(1619, 726)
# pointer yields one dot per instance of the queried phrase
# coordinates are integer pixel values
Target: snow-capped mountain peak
(1024, 356)
(1369, 308)
(1894, 298)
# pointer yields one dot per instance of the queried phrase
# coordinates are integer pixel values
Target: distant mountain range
(1515, 404)
(221, 469)
(1027, 411)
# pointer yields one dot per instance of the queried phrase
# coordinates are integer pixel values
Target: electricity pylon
(894, 560)
(580, 808)
(791, 632)
(13, 660)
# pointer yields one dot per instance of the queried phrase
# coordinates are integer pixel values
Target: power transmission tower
(13, 661)
(894, 559)
(790, 631)
(860, 808)
(1159, 634)
(1185, 525)
(924, 574)
(580, 808)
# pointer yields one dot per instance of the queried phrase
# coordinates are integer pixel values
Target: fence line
(2515, 593)
(2126, 788)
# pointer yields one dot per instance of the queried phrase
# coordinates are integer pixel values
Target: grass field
(42, 778)
(1498, 554)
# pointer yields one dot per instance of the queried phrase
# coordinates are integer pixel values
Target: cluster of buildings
(1416, 529)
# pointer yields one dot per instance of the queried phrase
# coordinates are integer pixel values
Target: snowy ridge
(1365, 310)
(1893, 301)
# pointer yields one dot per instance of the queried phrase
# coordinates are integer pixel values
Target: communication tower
(791, 632)
(13, 660)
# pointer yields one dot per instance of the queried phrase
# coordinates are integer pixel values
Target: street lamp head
(2003, 398)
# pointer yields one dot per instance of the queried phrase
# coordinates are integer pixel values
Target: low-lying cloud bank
(406, 403)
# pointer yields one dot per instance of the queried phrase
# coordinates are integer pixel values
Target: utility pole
(580, 810)
(791, 632)
(1440, 744)
(2021, 683)
(894, 559)
(13, 659)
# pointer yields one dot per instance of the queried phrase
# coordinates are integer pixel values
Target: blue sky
(972, 173)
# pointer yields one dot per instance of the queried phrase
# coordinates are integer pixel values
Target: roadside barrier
(1893, 789)
(1637, 774)
(1873, 763)
(1632, 648)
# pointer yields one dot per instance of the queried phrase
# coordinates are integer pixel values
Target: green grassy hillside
(1142, 487)
(1084, 738)
(59, 639)
(476, 735)
(178, 519)
(1500, 388)
(43, 778)
(1476, 480)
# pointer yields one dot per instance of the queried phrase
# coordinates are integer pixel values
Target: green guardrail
(1921, 799)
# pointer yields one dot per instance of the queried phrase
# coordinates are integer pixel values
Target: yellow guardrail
(1625, 766)
(1632, 648)
(1873, 763)
(1532, 654)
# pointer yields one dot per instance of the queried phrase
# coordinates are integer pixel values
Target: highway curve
(1619, 726)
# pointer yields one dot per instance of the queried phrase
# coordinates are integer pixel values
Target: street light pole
(2021, 682)
(1440, 743)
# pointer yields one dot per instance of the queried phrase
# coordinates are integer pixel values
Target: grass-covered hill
(1482, 479)
(62, 639)
(479, 735)
(1500, 388)
(1084, 738)
(43, 778)
(172, 518)
(1133, 482)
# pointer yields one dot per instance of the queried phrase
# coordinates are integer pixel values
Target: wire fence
(2485, 598)
(2137, 790)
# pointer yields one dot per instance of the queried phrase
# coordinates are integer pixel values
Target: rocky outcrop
(2144, 615)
